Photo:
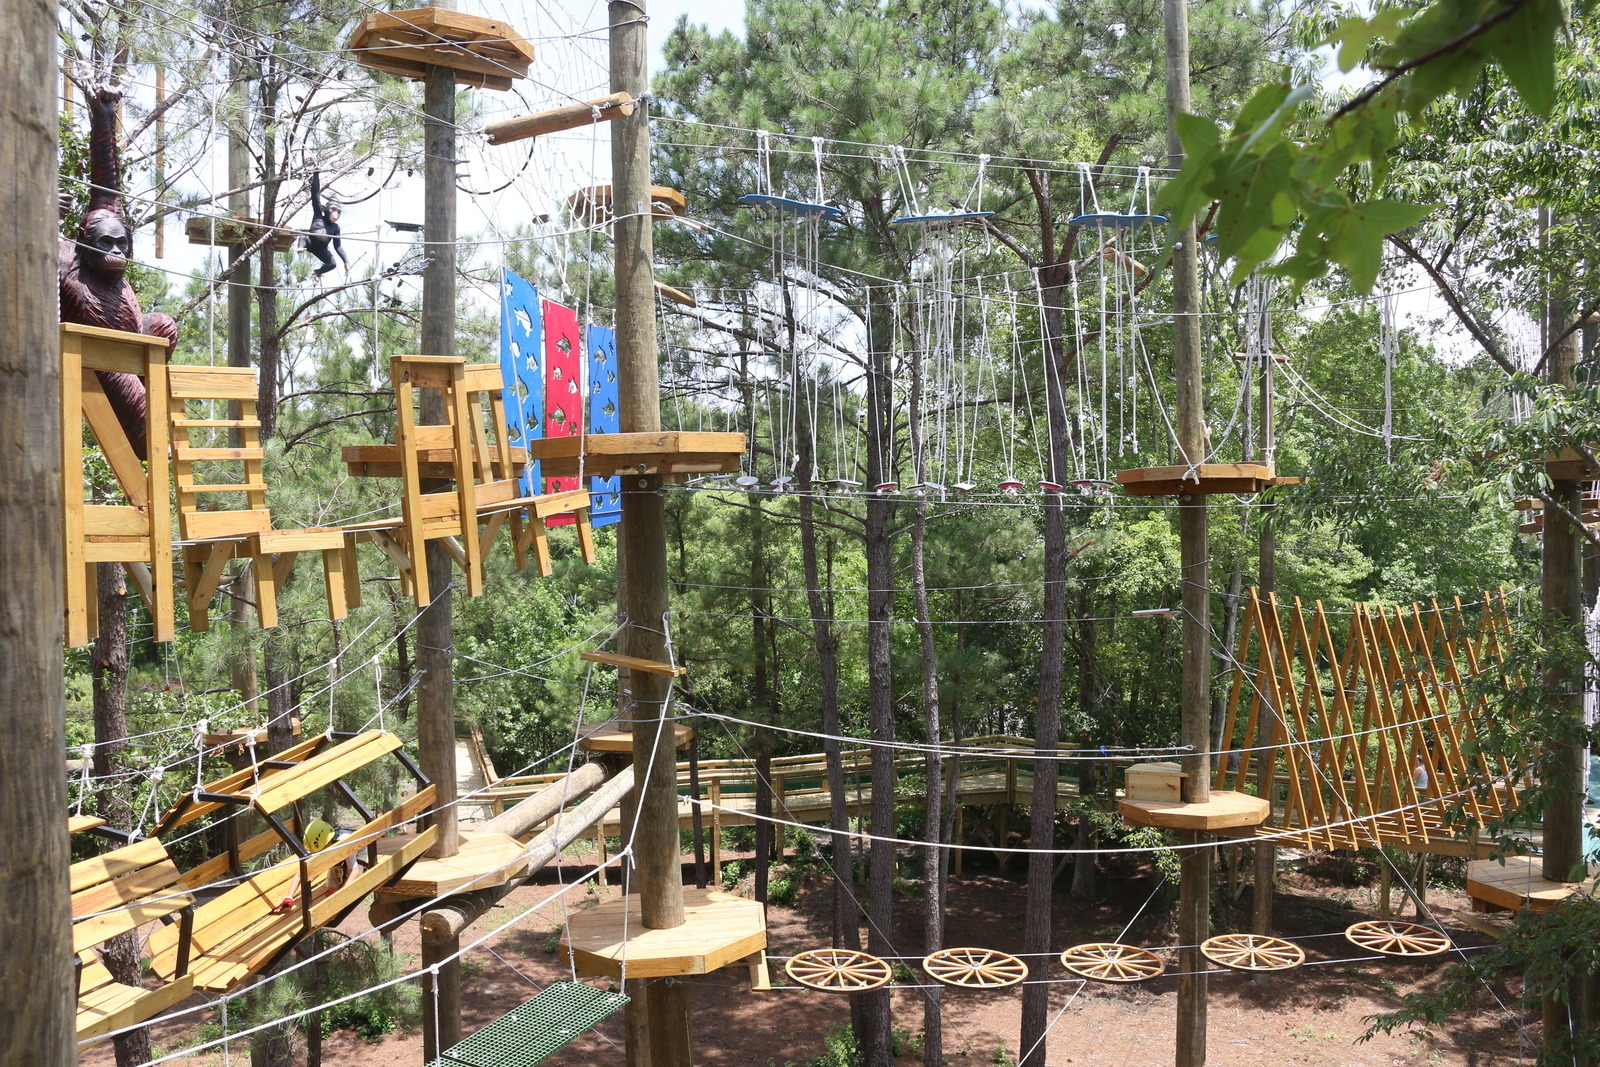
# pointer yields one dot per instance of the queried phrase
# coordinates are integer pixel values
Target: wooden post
(436, 728)
(36, 972)
(600, 852)
(1266, 858)
(1194, 905)
(441, 991)
(1561, 598)
(1384, 899)
(658, 873)
(241, 612)
(714, 795)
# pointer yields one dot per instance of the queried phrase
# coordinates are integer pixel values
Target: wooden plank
(128, 887)
(634, 663)
(237, 784)
(324, 769)
(77, 824)
(114, 520)
(111, 1008)
(306, 539)
(205, 455)
(213, 383)
(115, 863)
(211, 525)
(91, 932)
(238, 487)
(628, 444)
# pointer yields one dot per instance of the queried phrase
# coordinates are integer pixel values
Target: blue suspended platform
(1112, 220)
(798, 208)
(940, 220)
(537, 1030)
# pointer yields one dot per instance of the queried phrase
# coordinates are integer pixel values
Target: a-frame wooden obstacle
(1352, 723)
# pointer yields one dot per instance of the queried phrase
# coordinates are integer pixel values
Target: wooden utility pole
(1194, 903)
(1266, 866)
(659, 1010)
(241, 613)
(1561, 598)
(36, 969)
(436, 711)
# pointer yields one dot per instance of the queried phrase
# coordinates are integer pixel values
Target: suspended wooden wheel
(1397, 938)
(1253, 952)
(975, 968)
(837, 970)
(1108, 962)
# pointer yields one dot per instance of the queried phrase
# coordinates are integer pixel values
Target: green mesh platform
(540, 1028)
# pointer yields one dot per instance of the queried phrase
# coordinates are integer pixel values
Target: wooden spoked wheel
(1109, 962)
(975, 968)
(837, 970)
(1397, 938)
(1253, 952)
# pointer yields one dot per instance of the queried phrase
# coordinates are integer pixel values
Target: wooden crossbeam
(634, 663)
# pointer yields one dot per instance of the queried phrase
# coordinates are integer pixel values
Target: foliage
(1284, 169)
(361, 965)
(1555, 951)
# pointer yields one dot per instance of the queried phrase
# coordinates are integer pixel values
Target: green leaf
(1391, 216)
(1524, 46)
(1248, 193)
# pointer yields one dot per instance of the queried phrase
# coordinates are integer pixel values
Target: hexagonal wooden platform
(482, 52)
(611, 737)
(1202, 479)
(1519, 882)
(718, 929)
(1224, 811)
(485, 860)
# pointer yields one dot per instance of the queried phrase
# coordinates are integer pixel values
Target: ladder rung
(242, 487)
(243, 424)
(202, 454)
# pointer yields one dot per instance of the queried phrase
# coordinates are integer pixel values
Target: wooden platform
(611, 737)
(1519, 883)
(485, 860)
(673, 454)
(482, 52)
(719, 928)
(202, 230)
(1224, 811)
(1205, 478)
(1570, 464)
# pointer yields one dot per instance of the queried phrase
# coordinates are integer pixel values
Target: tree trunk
(876, 1043)
(932, 868)
(846, 915)
(1037, 929)
(1084, 866)
(110, 681)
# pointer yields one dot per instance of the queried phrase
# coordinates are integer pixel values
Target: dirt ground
(1313, 1014)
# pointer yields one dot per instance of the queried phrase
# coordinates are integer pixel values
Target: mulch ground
(1314, 1014)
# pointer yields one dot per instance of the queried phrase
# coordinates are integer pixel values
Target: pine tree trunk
(1037, 927)
(876, 1043)
(110, 682)
(846, 915)
(1085, 869)
(932, 868)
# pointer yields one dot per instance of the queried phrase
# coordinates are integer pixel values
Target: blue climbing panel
(536, 1031)
(600, 343)
(522, 367)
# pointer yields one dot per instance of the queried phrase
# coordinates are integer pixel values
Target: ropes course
(920, 377)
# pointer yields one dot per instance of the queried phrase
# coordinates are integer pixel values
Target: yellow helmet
(318, 836)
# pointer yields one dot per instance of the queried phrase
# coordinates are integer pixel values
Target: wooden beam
(568, 117)
(634, 663)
